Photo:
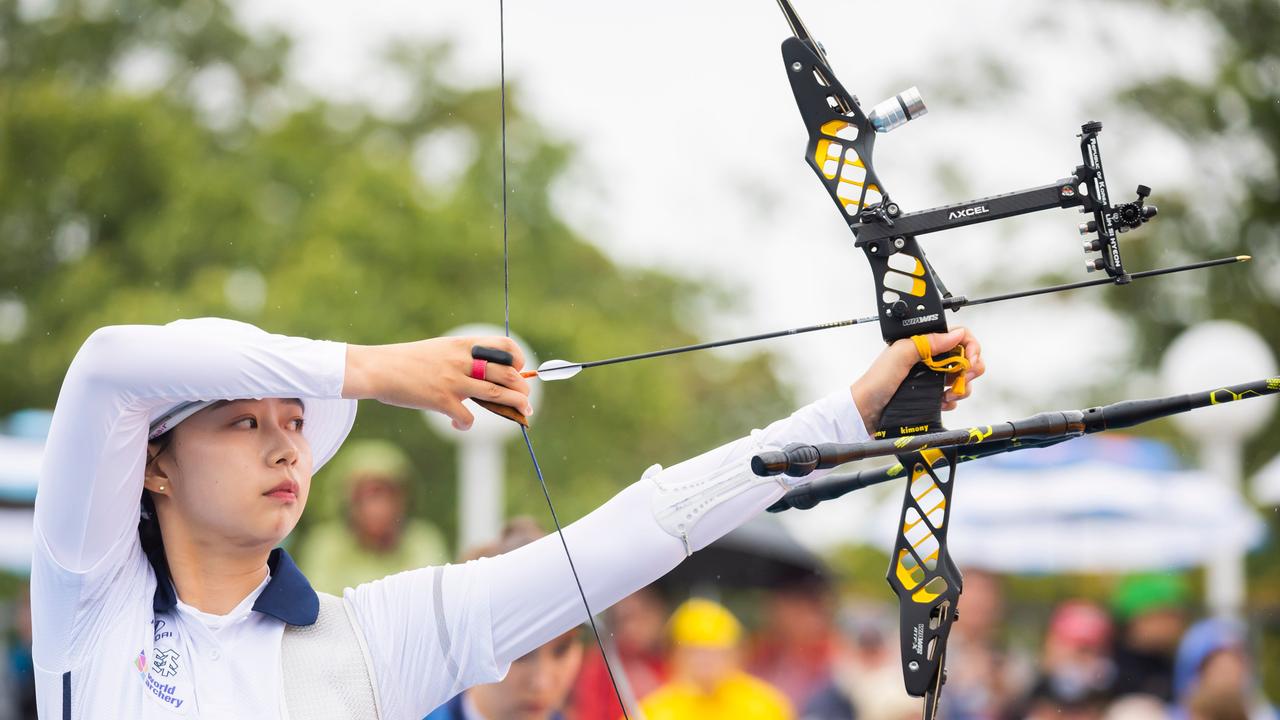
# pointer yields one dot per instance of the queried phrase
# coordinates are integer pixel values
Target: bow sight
(912, 300)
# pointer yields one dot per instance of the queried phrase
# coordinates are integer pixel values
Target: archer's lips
(286, 491)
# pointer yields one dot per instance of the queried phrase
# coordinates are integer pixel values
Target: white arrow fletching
(558, 370)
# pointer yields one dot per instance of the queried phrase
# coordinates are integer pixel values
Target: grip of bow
(921, 572)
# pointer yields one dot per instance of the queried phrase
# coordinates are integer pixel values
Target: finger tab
(491, 354)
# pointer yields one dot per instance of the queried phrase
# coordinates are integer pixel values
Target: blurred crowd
(1141, 657)
(795, 651)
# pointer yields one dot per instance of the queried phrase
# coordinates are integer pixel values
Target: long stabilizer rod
(838, 485)
(798, 459)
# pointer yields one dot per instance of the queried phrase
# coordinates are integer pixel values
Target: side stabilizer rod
(799, 459)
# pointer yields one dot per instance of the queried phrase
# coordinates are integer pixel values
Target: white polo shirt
(112, 639)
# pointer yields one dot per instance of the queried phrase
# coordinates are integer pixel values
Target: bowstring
(506, 324)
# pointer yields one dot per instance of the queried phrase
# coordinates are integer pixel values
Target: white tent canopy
(16, 530)
(1097, 504)
(19, 469)
(20, 457)
(1266, 484)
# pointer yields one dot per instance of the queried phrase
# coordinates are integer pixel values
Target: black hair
(148, 521)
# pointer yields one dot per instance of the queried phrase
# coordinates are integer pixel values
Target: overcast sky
(691, 147)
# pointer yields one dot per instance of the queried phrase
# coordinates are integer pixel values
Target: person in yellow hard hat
(708, 681)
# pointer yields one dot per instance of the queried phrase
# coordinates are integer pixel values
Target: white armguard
(678, 503)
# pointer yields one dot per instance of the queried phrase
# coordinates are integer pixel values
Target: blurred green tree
(156, 162)
(1232, 119)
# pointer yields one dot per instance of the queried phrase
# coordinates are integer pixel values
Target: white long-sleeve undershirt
(432, 631)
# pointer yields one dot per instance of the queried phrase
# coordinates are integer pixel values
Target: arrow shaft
(731, 341)
(957, 303)
(951, 303)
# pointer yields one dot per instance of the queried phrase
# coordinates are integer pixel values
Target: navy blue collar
(288, 595)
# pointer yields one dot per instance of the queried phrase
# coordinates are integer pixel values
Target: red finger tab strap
(955, 365)
(481, 356)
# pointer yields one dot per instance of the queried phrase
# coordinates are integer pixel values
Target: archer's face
(236, 472)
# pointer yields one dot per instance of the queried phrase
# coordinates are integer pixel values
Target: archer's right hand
(435, 375)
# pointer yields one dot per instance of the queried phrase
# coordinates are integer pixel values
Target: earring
(161, 488)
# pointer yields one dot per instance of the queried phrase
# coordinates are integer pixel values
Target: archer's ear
(155, 478)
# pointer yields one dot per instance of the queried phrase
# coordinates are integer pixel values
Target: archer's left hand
(872, 391)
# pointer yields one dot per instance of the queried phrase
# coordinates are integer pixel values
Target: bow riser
(910, 301)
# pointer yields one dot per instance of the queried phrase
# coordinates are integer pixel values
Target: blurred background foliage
(222, 189)
(1233, 121)
(1232, 118)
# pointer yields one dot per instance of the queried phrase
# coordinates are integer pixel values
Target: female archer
(188, 608)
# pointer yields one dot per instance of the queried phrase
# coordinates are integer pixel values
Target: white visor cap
(327, 421)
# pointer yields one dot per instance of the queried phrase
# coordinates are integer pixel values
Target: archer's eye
(297, 424)
(248, 423)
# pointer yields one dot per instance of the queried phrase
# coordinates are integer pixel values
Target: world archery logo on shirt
(165, 663)
(167, 677)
